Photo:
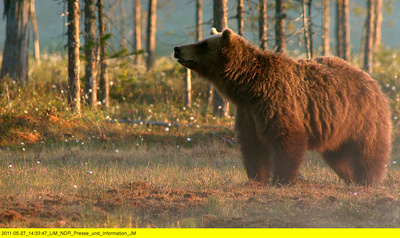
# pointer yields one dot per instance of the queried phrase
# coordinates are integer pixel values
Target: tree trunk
(74, 87)
(35, 32)
(15, 53)
(188, 88)
(138, 32)
(346, 30)
(339, 28)
(377, 25)
(220, 14)
(221, 105)
(310, 29)
(368, 37)
(262, 22)
(240, 17)
(305, 28)
(325, 29)
(210, 97)
(362, 45)
(123, 25)
(199, 20)
(90, 53)
(104, 80)
(199, 36)
(280, 35)
(151, 33)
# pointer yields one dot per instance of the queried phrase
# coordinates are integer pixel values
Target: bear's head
(208, 54)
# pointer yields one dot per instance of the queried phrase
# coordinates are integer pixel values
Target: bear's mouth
(190, 64)
(182, 61)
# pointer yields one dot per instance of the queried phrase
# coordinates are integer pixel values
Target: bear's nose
(176, 54)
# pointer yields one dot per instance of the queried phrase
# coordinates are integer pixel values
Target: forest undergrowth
(63, 170)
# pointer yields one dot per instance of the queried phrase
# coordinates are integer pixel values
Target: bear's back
(341, 100)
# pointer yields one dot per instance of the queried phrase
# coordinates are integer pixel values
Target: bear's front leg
(256, 159)
(288, 154)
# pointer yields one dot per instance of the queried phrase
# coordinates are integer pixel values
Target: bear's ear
(227, 35)
(214, 31)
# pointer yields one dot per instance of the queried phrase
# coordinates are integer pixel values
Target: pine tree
(104, 80)
(326, 28)
(369, 37)
(221, 105)
(262, 22)
(280, 19)
(151, 33)
(15, 53)
(90, 53)
(74, 88)
(137, 31)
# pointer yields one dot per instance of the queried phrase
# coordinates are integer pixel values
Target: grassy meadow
(61, 170)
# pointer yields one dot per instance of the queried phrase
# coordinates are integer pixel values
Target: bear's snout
(184, 56)
(181, 53)
(177, 50)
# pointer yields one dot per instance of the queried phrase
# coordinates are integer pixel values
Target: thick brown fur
(284, 107)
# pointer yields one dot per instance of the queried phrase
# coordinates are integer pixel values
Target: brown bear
(284, 107)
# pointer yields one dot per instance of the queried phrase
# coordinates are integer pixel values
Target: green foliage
(122, 52)
(105, 38)
(158, 94)
(386, 72)
(89, 45)
(39, 110)
(388, 7)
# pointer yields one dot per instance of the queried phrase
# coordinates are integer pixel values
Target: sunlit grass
(85, 165)
(72, 177)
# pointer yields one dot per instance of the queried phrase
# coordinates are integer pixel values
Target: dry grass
(201, 183)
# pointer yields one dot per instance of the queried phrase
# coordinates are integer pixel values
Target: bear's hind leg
(370, 164)
(340, 162)
(363, 164)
